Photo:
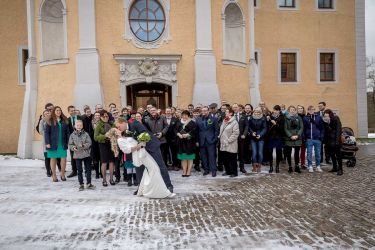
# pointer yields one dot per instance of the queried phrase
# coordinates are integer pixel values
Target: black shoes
(72, 174)
(105, 184)
(63, 178)
(117, 180)
(135, 193)
(197, 168)
(297, 169)
(277, 169)
(112, 182)
(49, 174)
(290, 170)
(220, 168)
(90, 186)
(233, 175)
(340, 172)
(213, 173)
(81, 187)
(271, 170)
(224, 174)
(55, 180)
(242, 170)
(205, 173)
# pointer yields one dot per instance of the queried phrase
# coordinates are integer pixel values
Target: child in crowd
(80, 144)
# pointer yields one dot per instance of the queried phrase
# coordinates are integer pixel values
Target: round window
(147, 20)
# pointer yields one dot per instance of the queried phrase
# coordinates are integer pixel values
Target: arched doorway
(142, 94)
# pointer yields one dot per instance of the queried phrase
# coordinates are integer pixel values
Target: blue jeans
(317, 145)
(257, 151)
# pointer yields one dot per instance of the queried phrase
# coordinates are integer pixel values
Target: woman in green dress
(56, 140)
(186, 133)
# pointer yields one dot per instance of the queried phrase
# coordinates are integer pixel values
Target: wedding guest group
(207, 139)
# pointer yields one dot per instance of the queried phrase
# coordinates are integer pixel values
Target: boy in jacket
(80, 144)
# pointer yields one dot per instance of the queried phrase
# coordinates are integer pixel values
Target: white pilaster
(253, 80)
(26, 135)
(361, 68)
(206, 90)
(88, 90)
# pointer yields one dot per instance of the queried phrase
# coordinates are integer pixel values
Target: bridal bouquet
(142, 139)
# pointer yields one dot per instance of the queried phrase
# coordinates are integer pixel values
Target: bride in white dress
(152, 184)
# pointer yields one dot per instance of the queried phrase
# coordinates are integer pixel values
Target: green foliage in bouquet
(144, 137)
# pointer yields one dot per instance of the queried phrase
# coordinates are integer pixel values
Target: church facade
(176, 52)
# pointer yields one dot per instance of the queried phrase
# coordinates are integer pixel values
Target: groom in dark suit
(152, 147)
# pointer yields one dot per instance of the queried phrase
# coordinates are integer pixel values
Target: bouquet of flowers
(142, 139)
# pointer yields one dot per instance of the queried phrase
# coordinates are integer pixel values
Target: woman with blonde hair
(257, 131)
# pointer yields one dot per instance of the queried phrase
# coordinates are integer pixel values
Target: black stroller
(349, 146)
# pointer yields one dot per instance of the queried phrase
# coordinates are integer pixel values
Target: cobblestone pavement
(264, 211)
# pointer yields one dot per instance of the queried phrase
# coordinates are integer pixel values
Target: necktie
(237, 117)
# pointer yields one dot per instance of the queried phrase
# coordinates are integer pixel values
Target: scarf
(327, 120)
(257, 117)
(275, 116)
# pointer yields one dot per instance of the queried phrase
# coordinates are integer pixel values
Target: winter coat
(229, 132)
(313, 127)
(51, 135)
(208, 130)
(87, 125)
(276, 131)
(42, 129)
(171, 133)
(186, 145)
(243, 124)
(82, 141)
(99, 133)
(332, 132)
(293, 126)
(259, 126)
(156, 125)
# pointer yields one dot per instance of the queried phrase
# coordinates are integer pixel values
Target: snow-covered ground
(36, 213)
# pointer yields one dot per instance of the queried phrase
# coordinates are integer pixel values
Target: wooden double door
(142, 94)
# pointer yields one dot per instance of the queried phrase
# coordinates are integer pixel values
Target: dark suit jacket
(171, 134)
(208, 130)
(138, 128)
(71, 125)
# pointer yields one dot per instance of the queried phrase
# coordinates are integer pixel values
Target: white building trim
(254, 90)
(336, 65)
(165, 36)
(225, 59)
(20, 49)
(295, 8)
(325, 10)
(27, 125)
(87, 59)
(160, 69)
(44, 62)
(298, 64)
(206, 90)
(362, 117)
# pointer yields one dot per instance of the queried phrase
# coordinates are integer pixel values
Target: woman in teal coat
(293, 129)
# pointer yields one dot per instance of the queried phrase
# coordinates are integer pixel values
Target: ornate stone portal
(147, 68)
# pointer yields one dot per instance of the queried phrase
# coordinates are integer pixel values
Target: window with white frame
(53, 30)
(23, 56)
(288, 4)
(326, 4)
(289, 66)
(233, 35)
(327, 66)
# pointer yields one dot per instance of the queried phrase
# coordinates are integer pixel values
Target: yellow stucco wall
(305, 29)
(110, 29)
(13, 32)
(308, 30)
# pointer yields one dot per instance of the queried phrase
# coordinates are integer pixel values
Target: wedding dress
(152, 184)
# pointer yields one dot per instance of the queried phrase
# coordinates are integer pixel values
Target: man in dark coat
(171, 139)
(208, 132)
(243, 126)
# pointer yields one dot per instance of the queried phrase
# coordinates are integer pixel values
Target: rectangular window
(288, 67)
(287, 3)
(325, 4)
(23, 56)
(327, 67)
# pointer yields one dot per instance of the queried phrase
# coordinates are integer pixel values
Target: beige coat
(228, 136)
